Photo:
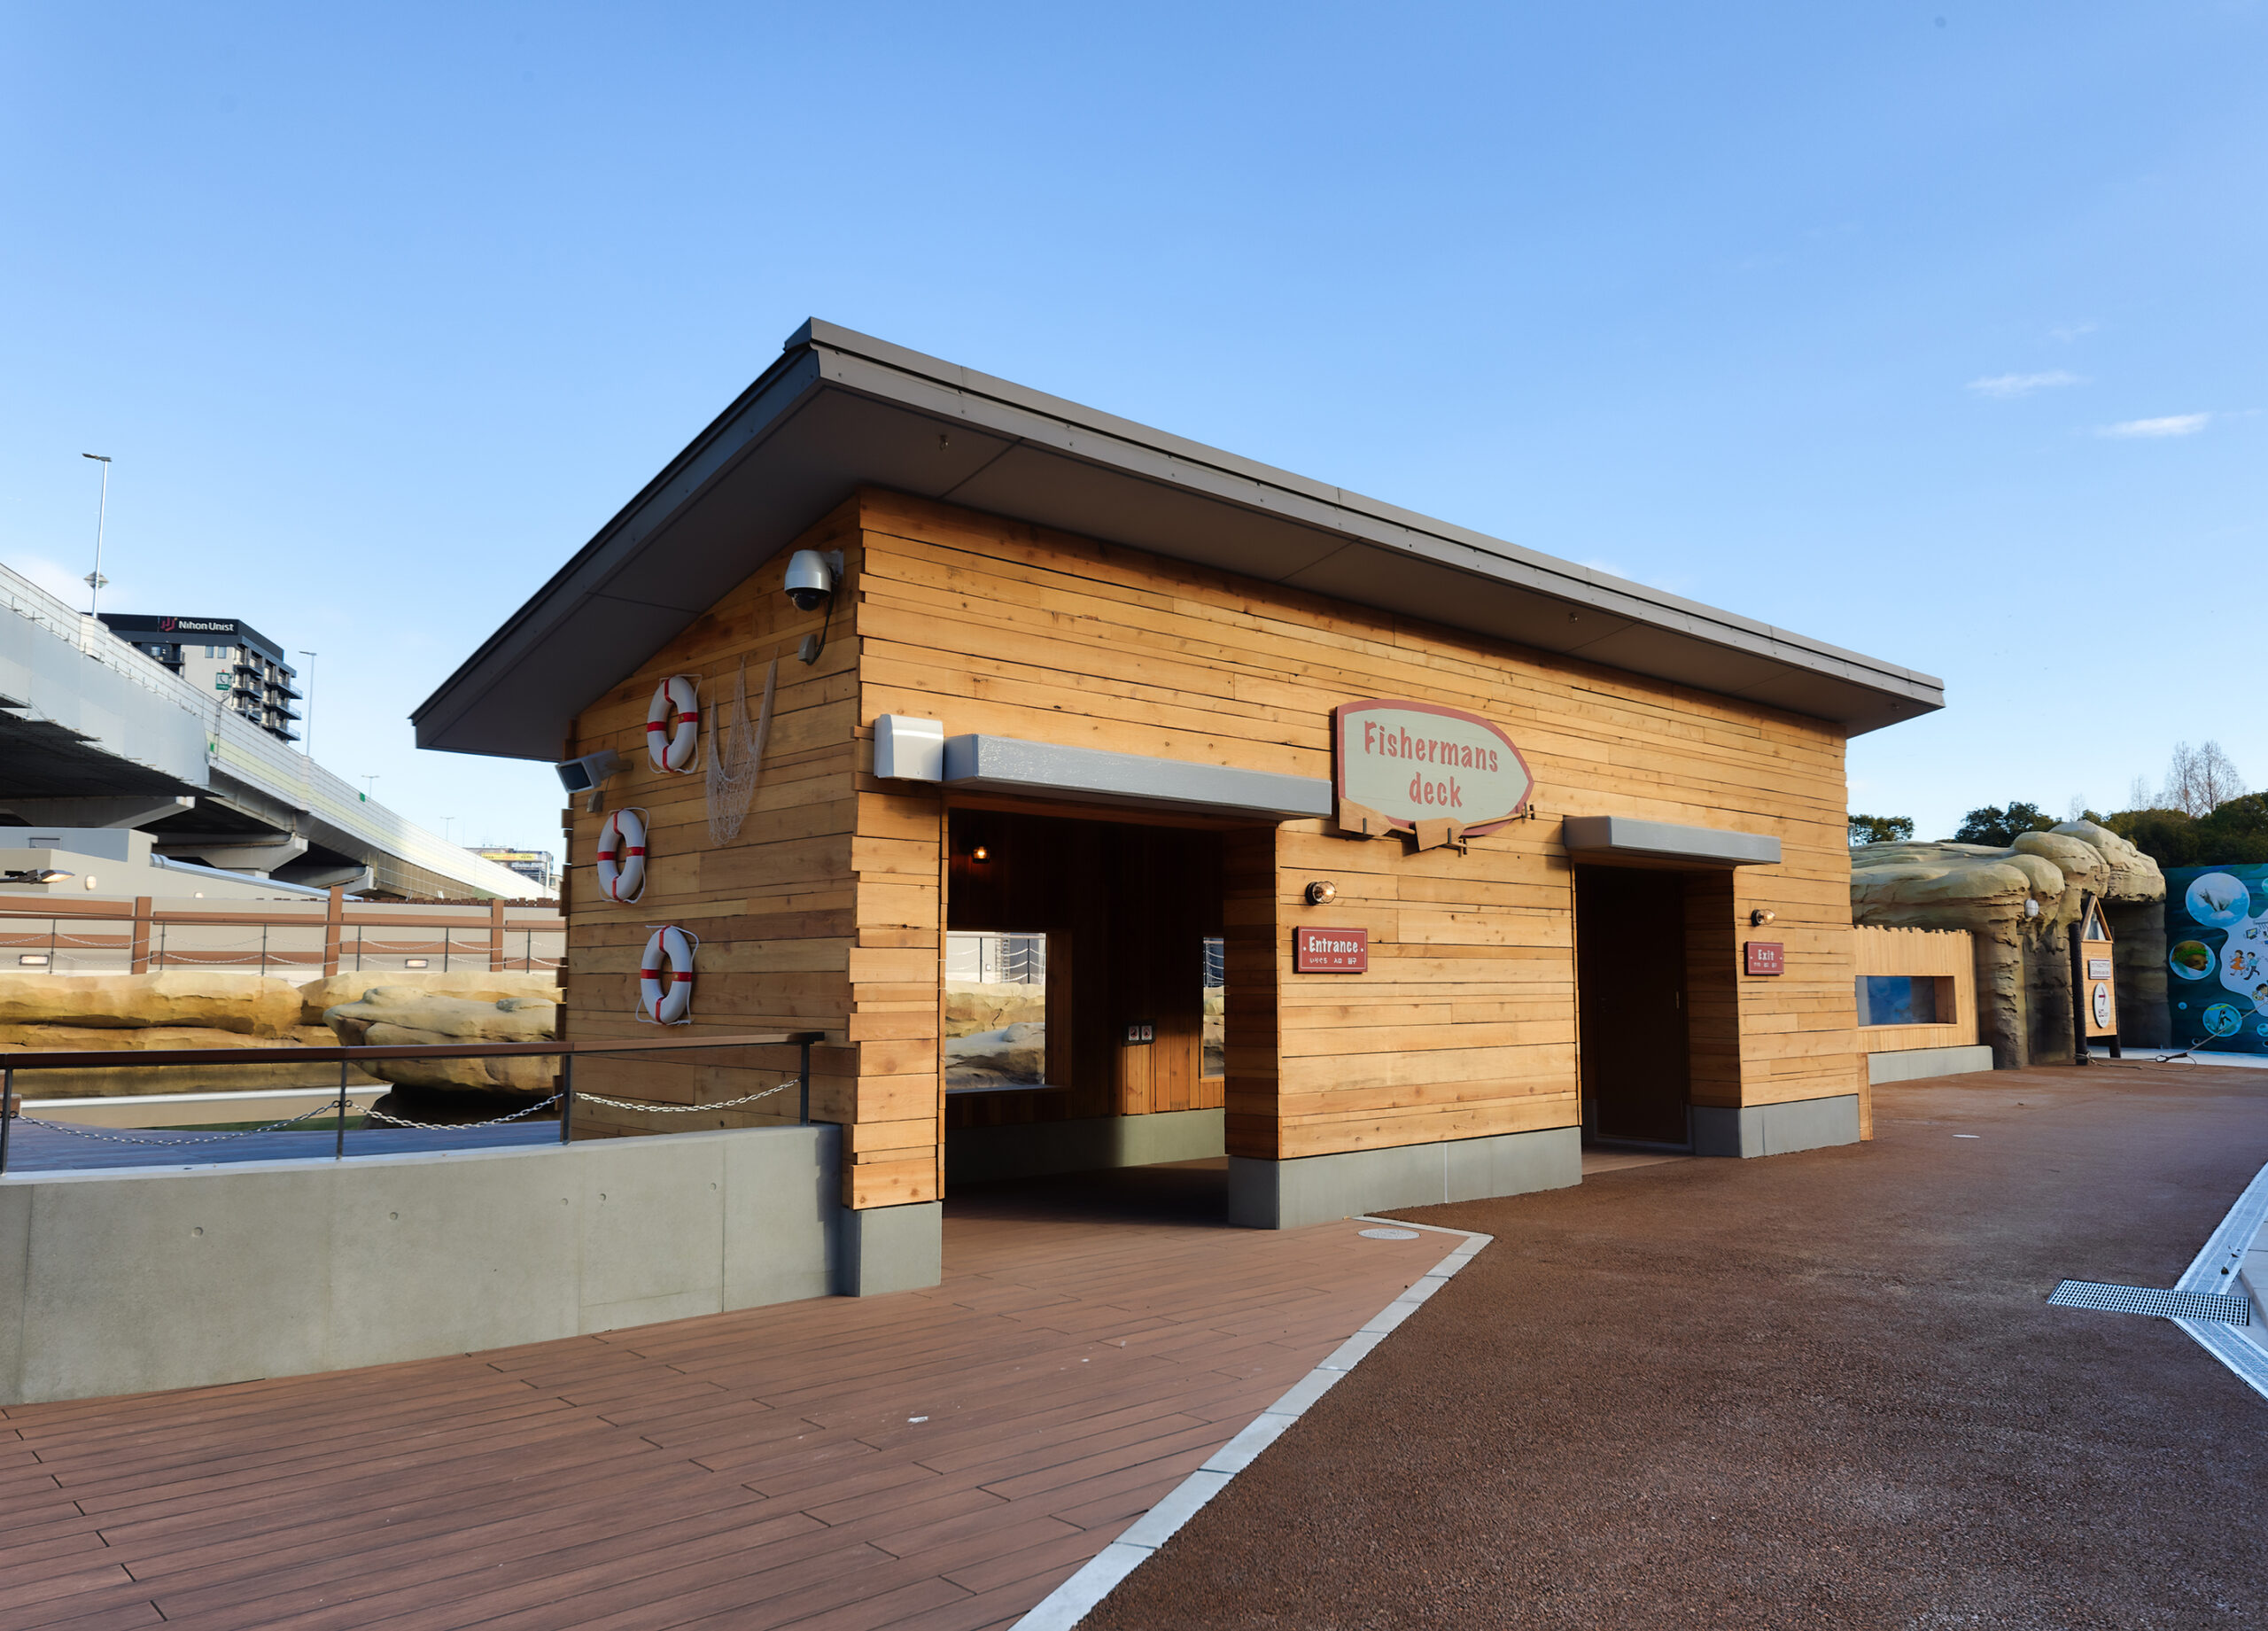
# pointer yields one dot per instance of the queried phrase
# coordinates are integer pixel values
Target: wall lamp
(1762, 915)
(37, 874)
(1322, 893)
(811, 577)
(980, 853)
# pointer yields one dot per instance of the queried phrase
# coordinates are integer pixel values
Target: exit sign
(1766, 957)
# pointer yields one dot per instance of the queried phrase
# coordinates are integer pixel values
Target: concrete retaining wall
(1918, 1064)
(129, 1282)
(974, 1154)
(1776, 1129)
(1320, 1189)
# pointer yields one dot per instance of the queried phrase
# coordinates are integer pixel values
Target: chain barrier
(329, 1108)
(396, 1121)
(633, 1104)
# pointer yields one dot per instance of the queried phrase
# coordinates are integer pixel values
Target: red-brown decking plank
(128, 1614)
(1081, 1367)
(448, 1576)
(655, 1496)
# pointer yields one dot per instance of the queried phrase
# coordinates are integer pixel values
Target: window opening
(1906, 999)
(1217, 1007)
(996, 1011)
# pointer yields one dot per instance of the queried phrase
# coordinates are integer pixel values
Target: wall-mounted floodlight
(581, 775)
(811, 577)
(588, 775)
(36, 875)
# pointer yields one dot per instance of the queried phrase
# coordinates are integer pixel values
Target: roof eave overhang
(839, 410)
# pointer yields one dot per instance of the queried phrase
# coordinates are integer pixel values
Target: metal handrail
(77, 1059)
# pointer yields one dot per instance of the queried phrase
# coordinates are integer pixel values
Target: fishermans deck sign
(1417, 768)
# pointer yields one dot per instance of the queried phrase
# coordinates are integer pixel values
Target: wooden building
(1500, 853)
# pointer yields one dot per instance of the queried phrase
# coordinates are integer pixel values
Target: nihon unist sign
(1413, 761)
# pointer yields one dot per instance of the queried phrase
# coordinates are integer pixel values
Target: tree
(2198, 780)
(1880, 829)
(2167, 836)
(1990, 824)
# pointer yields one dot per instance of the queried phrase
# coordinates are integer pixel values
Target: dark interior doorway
(1631, 1006)
(1129, 916)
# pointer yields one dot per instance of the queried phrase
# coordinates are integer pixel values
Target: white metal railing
(246, 751)
(1006, 960)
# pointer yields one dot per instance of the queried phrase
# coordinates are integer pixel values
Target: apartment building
(228, 657)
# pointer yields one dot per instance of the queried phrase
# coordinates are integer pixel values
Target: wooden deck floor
(936, 1461)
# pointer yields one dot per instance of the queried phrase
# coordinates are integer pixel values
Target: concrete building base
(885, 1249)
(1776, 1129)
(974, 1154)
(1319, 1189)
(130, 1282)
(1912, 1064)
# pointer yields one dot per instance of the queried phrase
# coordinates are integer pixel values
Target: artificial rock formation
(973, 1006)
(407, 1016)
(242, 1005)
(149, 1015)
(2023, 971)
(318, 997)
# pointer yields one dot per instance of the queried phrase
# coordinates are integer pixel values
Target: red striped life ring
(673, 724)
(666, 977)
(622, 855)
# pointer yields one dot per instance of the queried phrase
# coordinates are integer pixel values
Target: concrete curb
(1070, 1602)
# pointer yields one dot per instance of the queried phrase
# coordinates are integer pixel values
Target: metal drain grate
(2142, 1300)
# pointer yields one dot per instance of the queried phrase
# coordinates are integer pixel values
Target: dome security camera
(811, 579)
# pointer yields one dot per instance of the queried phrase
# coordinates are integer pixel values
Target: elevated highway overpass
(94, 733)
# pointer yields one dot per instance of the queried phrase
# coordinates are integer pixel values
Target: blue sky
(1934, 330)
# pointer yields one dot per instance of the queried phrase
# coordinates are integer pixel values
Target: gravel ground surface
(1820, 1389)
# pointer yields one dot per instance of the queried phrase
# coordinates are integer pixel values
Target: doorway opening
(1085, 1011)
(1633, 1009)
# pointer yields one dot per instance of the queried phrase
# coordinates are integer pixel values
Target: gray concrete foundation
(1912, 1064)
(885, 1249)
(129, 1282)
(974, 1154)
(1776, 1129)
(1319, 1189)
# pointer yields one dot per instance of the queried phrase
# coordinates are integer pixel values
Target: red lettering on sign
(1330, 950)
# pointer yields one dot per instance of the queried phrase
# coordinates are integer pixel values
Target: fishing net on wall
(736, 757)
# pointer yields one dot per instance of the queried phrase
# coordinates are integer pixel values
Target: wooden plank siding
(1946, 955)
(1464, 1025)
(827, 912)
(779, 909)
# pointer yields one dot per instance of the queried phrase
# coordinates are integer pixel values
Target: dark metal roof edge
(823, 353)
(521, 626)
(1395, 527)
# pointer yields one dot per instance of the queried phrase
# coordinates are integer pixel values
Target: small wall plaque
(2098, 968)
(1766, 957)
(1330, 950)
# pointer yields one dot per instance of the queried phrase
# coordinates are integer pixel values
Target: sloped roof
(841, 410)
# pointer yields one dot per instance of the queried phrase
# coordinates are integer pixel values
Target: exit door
(1630, 1003)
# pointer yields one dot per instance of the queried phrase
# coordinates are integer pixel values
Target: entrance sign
(1411, 762)
(1330, 950)
(1766, 957)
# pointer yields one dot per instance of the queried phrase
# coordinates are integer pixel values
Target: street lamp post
(308, 719)
(367, 788)
(95, 581)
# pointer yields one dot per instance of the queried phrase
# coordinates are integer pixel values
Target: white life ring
(622, 855)
(666, 977)
(671, 747)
